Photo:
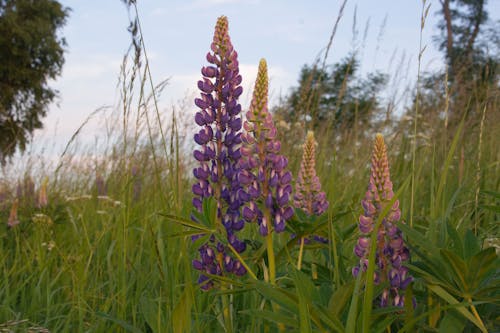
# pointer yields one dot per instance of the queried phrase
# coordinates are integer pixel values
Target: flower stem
(301, 252)
(476, 314)
(270, 250)
(226, 312)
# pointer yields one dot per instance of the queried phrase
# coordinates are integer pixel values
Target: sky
(178, 33)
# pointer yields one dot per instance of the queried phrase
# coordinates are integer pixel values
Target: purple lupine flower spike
(263, 173)
(308, 194)
(219, 140)
(391, 250)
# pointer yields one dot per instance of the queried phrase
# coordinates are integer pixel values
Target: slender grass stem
(301, 252)
(417, 105)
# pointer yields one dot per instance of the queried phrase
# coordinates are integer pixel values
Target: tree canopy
(31, 53)
(335, 96)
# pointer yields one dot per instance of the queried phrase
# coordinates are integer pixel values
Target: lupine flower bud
(13, 220)
(219, 139)
(391, 251)
(28, 191)
(263, 171)
(42, 194)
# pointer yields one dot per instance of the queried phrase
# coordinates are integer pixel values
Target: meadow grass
(116, 260)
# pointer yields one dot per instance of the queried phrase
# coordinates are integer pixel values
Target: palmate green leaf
(227, 281)
(456, 240)
(329, 319)
(415, 238)
(307, 294)
(471, 244)
(408, 325)
(452, 322)
(182, 234)
(187, 223)
(381, 326)
(456, 267)
(462, 309)
(340, 297)
(481, 267)
(299, 304)
(280, 296)
(304, 284)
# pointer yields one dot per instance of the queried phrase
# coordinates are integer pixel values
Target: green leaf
(278, 317)
(128, 327)
(181, 313)
(471, 244)
(458, 269)
(334, 324)
(187, 223)
(452, 322)
(456, 240)
(282, 297)
(340, 297)
(305, 288)
(481, 266)
(353, 308)
(416, 238)
(148, 309)
(462, 309)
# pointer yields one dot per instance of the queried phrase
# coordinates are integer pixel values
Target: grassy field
(111, 250)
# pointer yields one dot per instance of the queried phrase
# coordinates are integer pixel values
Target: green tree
(334, 97)
(31, 53)
(471, 53)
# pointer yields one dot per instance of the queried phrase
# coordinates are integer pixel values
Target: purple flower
(308, 194)
(219, 140)
(263, 171)
(391, 251)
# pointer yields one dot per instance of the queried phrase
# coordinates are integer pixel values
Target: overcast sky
(178, 33)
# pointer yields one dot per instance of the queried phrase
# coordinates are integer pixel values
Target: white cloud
(90, 67)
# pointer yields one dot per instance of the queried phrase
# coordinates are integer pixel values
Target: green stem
(226, 312)
(476, 314)
(301, 252)
(270, 249)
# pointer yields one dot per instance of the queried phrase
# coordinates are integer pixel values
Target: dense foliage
(31, 53)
